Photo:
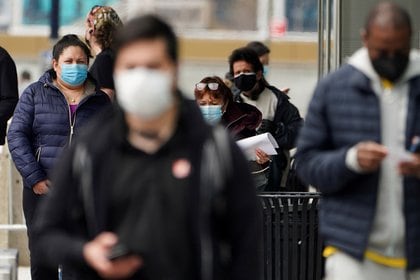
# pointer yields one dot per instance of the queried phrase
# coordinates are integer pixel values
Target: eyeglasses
(202, 86)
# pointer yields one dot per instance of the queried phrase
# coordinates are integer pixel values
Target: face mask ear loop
(224, 107)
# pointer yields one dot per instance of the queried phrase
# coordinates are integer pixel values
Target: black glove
(270, 126)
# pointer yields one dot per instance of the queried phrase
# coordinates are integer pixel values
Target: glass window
(37, 12)
(302, 15)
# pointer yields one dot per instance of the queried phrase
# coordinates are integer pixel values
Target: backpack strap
(82, 171)
(216, 170)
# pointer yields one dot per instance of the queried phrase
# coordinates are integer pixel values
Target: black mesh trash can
(292, 247)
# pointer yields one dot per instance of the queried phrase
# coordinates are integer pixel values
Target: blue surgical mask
(211, 113)
(74, 74)
(266, 70)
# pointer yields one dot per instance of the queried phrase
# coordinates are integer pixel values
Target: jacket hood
(361, 61)
(46, 78)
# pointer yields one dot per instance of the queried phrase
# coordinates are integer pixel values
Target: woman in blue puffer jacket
(49, 114)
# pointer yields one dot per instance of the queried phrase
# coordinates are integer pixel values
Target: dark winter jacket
(102, 69)
(241, 119)
(286, 123)
(343, 112)
(63, 231)
(42, 127)
(8, 91)
(284, 126)
(287, 120)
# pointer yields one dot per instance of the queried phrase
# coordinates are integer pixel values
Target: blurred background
(307, 38)
(208, 29)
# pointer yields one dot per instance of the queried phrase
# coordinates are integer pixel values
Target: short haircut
(388, 13)
(148, 27)
(245, 54)
(222, 92)
(258, 47)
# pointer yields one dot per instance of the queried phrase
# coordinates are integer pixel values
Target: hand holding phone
(118, 251)
(97, 255)
(415, 145)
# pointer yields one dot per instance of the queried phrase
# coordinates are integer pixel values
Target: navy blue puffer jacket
(42, 126)
(343, 112)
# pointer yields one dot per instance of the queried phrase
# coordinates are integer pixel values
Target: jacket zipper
(38, 153)
(72, 121)
(82, 169)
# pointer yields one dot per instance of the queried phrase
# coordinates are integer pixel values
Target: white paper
(396, 155)
(265, 142)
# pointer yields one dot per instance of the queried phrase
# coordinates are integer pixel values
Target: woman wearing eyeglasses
(217, 106)
(102, 22)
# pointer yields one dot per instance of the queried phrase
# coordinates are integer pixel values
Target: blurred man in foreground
(152, 194)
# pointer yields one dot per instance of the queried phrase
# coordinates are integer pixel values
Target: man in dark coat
(8, 91)
(280, 117)
(354, 147)
(147, 192)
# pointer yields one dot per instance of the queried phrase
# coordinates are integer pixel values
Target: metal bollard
(9, 257)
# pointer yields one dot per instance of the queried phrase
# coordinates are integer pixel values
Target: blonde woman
(101, 24)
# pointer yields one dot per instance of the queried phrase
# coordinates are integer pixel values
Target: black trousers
(30, 204)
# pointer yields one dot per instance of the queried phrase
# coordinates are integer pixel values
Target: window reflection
(241, 15)
(36, 12)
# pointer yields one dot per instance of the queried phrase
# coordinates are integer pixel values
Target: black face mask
(245, 81)
(390, 68)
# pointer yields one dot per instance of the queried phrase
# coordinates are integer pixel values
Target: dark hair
(222, 92)
(69, 40)
(245, 54)
(388, 13)
(25, 74)
(258, 47)
(148, 27)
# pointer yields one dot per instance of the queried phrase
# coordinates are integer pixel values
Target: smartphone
(415, 145)
(118, 251)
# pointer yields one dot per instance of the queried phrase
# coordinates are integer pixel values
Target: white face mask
(144, 92)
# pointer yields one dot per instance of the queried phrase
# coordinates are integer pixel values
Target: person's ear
(55, 64)
(364, 36)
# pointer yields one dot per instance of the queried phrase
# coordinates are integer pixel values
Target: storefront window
(37, 12)
(302, 15)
